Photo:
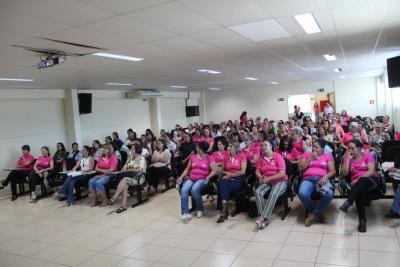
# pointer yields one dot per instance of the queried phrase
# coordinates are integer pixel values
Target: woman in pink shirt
(21, 171)
(221, 154)
(317, 168)
(41, 169)
(353, 127)
(271, 174)
(208, 138)
(107, 163)
(287, 151)
(233, 177)
(298, 143)
(200, 169)
(360, 166)
(251, 151)
(198, 136)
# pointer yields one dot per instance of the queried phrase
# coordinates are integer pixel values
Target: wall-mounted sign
(281, 99)
(321, 90)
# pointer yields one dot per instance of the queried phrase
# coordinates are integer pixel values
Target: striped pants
(265, 207)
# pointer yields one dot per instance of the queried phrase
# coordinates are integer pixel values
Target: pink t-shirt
(108, 163)
(347, 138)
(198, 138)
(220, 156)
(359, 167)
(254, 150)
(299, 146)
(293, 155)
(272, 167)
(318, 167)
(234, 165)
(397, 137)
(43, 162)
(200, 167)
(22, 160)
(208, 139)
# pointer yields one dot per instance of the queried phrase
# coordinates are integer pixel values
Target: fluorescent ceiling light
(210, 71)
(251, 78)
(308, 23)
(338, 70)
(329, 57)
(122, 57)
(274, 83)
(16, 80)
(178, 86)
(215, 89)
(120, 84)
(261, 30)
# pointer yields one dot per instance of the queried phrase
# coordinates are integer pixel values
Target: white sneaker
(199, 214)
(186, 217)
(33, 197)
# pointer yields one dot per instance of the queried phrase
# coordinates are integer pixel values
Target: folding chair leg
(286, 210)
(139, 197)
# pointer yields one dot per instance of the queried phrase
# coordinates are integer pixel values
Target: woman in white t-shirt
(160, 161)
(85, 165)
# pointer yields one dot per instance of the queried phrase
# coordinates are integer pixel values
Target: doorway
(306, 103)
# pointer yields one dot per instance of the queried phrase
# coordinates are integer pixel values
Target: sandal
(261, 224)
(120, 209)
(111, 202)
(222, 218)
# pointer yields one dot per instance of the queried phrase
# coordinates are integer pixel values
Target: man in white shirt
(328, 109)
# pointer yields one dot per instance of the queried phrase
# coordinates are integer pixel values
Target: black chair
(391, 153)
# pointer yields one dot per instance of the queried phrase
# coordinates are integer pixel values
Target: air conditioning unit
(144, 93)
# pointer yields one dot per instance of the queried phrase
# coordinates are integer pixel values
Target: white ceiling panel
(65, 12)
(284, 8)
(88, 37)
(25, 25)
(146, 51)
(228, 12)
(181, 44)
(174, 17)
(354, 4)
(123, 6)
(261, 31)
(127, 28)
(219, 37)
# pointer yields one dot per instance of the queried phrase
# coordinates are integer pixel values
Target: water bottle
(64, 166)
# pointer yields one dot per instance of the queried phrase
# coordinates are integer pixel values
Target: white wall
(173, 112)
(33, 117)
(111, 111)
(354, 96)
(229, 104)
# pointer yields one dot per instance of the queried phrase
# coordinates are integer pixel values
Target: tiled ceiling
(176, 38)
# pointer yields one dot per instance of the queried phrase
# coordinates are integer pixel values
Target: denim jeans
(194, 188)
(227, 186)
(68, 187)
(307, 188)
(98, 182)
(396, 202)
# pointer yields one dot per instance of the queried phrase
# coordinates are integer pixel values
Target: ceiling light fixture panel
(338, 70)
(209, 71)
(120, 84)
(308, 23)
(274, 83)
(16, 80)
(330, 57)
(178, 86)
(214, 89)
(115, 56)
(251, 78)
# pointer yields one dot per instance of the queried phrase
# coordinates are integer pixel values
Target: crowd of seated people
(225, 154)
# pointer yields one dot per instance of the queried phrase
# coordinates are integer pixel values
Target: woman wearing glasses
(360, 166)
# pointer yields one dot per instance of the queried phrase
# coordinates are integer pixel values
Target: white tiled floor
(45, 234)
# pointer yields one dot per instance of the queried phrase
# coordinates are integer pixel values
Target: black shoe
(362, 226)
(392, 215)
(222, 218)
(1, 187)
(345, 206)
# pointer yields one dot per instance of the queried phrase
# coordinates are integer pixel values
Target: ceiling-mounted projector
(51, 61)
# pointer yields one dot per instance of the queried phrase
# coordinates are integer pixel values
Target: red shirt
(234, 165)
(220, 156)
(293, 155)
(272, 167)
(43, 162)
(108, 163)
(254, 150)
(24, 159)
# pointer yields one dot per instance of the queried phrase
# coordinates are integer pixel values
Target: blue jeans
(227, 186)
(396, 202)
(307, 187)
(68, 187)
(98, 182)
(194, 188)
